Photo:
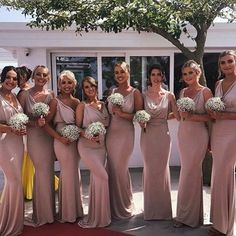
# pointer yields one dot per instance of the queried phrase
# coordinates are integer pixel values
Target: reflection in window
(108, 82)
(139, 69)
(80, 66)
(210, 62)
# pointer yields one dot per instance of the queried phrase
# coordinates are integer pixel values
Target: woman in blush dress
(193, 140)
(24, 75)
(223, 145)
(155, 146)
(93, 154)
(11, 158)
(62, 112)
(40, 148)
(120, 143)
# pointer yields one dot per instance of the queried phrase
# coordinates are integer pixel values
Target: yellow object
(28, 177)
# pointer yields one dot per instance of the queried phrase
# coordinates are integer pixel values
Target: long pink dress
(11, 159)
(94, 157)
(40, 148)
(192, 141)
(223, 144)
(70, 202)
(120, 144)
(155, 146)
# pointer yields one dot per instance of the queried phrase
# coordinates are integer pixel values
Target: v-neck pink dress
(223, 145)
(70, 202)
(155, 146)
(40, 148)
(11, 159)
(192, 142)
(94, 157)
(120, 144)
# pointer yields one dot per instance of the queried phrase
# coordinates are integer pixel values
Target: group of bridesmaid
(107, 156)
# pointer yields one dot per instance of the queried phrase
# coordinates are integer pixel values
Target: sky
(11, 16)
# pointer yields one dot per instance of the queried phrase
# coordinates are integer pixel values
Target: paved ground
(136, 225)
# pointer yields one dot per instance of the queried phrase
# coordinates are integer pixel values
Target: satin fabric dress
(223, 145)
(40, 148)
(193, 140)
(94, 157)
(70, 202)
(11, 159)
(120, 144)
(155, 147)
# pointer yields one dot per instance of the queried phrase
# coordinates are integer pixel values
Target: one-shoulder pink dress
(223, 145)
(120, 144)
(11, 159)
(192, 142)
(94, 156)
(155, 146)
(70, 202)
(40, 148)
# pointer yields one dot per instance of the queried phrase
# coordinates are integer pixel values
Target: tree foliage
(172, 19)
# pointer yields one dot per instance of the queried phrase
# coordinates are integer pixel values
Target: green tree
(172, 19)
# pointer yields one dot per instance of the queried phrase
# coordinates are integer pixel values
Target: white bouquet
(94, 130)
(116, 99)
(215, 104)
(186, 104)
(40, 109)
(142, 117)
(71, 132)
(18, 121)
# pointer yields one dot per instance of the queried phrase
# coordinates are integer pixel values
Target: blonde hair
(193, 65)
(124, 65)
(36, 68)
(68, 74)
(223, 54)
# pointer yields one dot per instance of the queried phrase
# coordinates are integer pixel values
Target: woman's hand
(116, 110)
(95, 139)
(185, 115)
(19, 132)
(143, 125)
(64, 140)
(41, 121)
(215, 115)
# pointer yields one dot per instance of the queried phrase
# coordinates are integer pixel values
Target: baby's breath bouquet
(142, 117)
(18, 121)
(40, 109)
(94, 130)
(71, 132)
(186, 104)
(116, 99)
(215, 104)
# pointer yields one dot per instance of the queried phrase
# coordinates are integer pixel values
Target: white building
(95, 53)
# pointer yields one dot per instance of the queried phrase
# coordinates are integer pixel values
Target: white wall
(15, 36)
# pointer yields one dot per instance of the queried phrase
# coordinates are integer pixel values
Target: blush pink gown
(94, 157)
(11, 159)
(120, 144)
(223, 144)
(40, 148)
(192, 141)
(70, 202)
(155, 146)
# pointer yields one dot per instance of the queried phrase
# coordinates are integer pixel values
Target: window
(80, 66)
(139, 69)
